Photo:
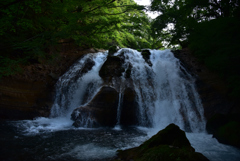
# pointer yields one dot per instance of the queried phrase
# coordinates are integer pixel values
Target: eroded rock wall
(211, 88)
(221, 111)
(30, 93)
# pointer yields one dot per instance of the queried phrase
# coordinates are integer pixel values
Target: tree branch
(9, 4)
(99, 7)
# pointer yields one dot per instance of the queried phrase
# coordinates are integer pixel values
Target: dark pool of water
(71, 144)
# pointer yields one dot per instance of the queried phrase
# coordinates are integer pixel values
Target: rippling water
(19, 143)
(38, 141)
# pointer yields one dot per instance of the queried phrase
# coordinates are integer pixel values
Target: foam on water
(43, 124)
(212, 149)
(90, 152)
(74, 89)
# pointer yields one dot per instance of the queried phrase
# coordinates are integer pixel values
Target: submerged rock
(169, 144)
(100, 112)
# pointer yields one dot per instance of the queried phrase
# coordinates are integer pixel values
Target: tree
(185, 15)
(209, 28)
(30, 27)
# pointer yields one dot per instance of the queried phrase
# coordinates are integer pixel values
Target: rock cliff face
(29, 94)
(211, 88)
(222, 113)
(101, 111)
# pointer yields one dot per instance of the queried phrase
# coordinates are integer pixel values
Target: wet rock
(146, 56)
(229, 133)
(212, 90)
(215, 122)
(24, 99)
(129, 108)
(101, 111)
(128, 71)
(89, 63)
(111, 68)
(172, 135)
(225, 128)
(219, 109)
(112, 50)
(169, 144)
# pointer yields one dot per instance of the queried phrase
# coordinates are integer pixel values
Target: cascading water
(78, 85)
(163, 91)
(165, 94)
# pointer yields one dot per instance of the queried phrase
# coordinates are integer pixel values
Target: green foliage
(216, 43)
(209, 28)
(29, 28)
(186, 15)
(8, 66)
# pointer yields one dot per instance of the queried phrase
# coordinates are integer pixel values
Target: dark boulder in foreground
(169, 144)
(100, 112)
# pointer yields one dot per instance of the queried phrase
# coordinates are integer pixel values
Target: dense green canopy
(210, 28)
(29, 28)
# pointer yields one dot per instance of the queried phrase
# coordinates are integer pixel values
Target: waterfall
(139, 92)
(177, 100)
(165, 91)
(119, 108)
(78, 85)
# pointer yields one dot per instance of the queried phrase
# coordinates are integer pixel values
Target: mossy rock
(168, 153)
(229, 133)
(112, 50)
(170, 144)
(171, 135)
